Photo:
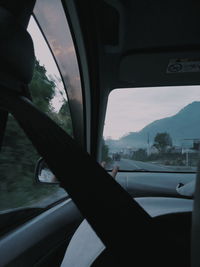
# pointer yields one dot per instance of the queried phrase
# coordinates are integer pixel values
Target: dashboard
(150, 184)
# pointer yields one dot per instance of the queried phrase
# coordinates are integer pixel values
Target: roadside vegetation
(105, 155)
(18, 157)
(166, 153)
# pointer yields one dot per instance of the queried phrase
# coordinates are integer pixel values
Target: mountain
(183, 125)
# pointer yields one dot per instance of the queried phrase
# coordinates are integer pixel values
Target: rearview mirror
(43, 174)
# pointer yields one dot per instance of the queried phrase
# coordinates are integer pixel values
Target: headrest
(16, 51)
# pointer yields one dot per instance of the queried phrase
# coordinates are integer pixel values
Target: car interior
(62, 201)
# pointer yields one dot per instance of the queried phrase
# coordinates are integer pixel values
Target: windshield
(153, 129)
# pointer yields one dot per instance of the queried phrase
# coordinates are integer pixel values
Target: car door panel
(33, 242)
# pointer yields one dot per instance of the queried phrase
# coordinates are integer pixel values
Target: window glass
(47, 89)
(154, 129)
(18, 157)
(17, 184)
(51, 17)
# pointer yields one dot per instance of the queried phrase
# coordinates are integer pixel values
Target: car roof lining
(145, 30)
(159, 69)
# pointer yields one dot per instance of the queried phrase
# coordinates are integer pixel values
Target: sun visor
(160, 69)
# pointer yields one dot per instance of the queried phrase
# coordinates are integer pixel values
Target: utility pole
(148, 145)
(194, 140)
(187, 158)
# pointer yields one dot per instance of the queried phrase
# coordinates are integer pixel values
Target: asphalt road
(127, 164)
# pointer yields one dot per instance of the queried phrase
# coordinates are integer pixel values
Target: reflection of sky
(130, 110)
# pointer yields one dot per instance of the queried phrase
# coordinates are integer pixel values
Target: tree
(104, 152)
(140, 154)
(18, 156)
(63, 118)
(162, 141)
(42, 88)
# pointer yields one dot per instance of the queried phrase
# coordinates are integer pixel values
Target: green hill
(183, 125)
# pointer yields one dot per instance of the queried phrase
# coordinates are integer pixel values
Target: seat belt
(114, 215)
(3, 122)
(195, 231)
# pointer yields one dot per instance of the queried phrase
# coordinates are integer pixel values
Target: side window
(18, 157)
(153, 129)
(47, 89)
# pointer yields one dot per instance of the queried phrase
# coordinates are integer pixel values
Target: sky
(130, 110)
(51, 17)
(42, 51)
(46, 59)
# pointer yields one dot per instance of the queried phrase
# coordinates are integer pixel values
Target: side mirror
(43, 174)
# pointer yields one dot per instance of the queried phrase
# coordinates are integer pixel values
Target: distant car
(116, 157)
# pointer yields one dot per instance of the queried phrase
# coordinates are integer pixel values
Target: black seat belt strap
(3, 122)
(101, 200)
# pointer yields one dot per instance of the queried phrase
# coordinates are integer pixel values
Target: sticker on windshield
(182, 65)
